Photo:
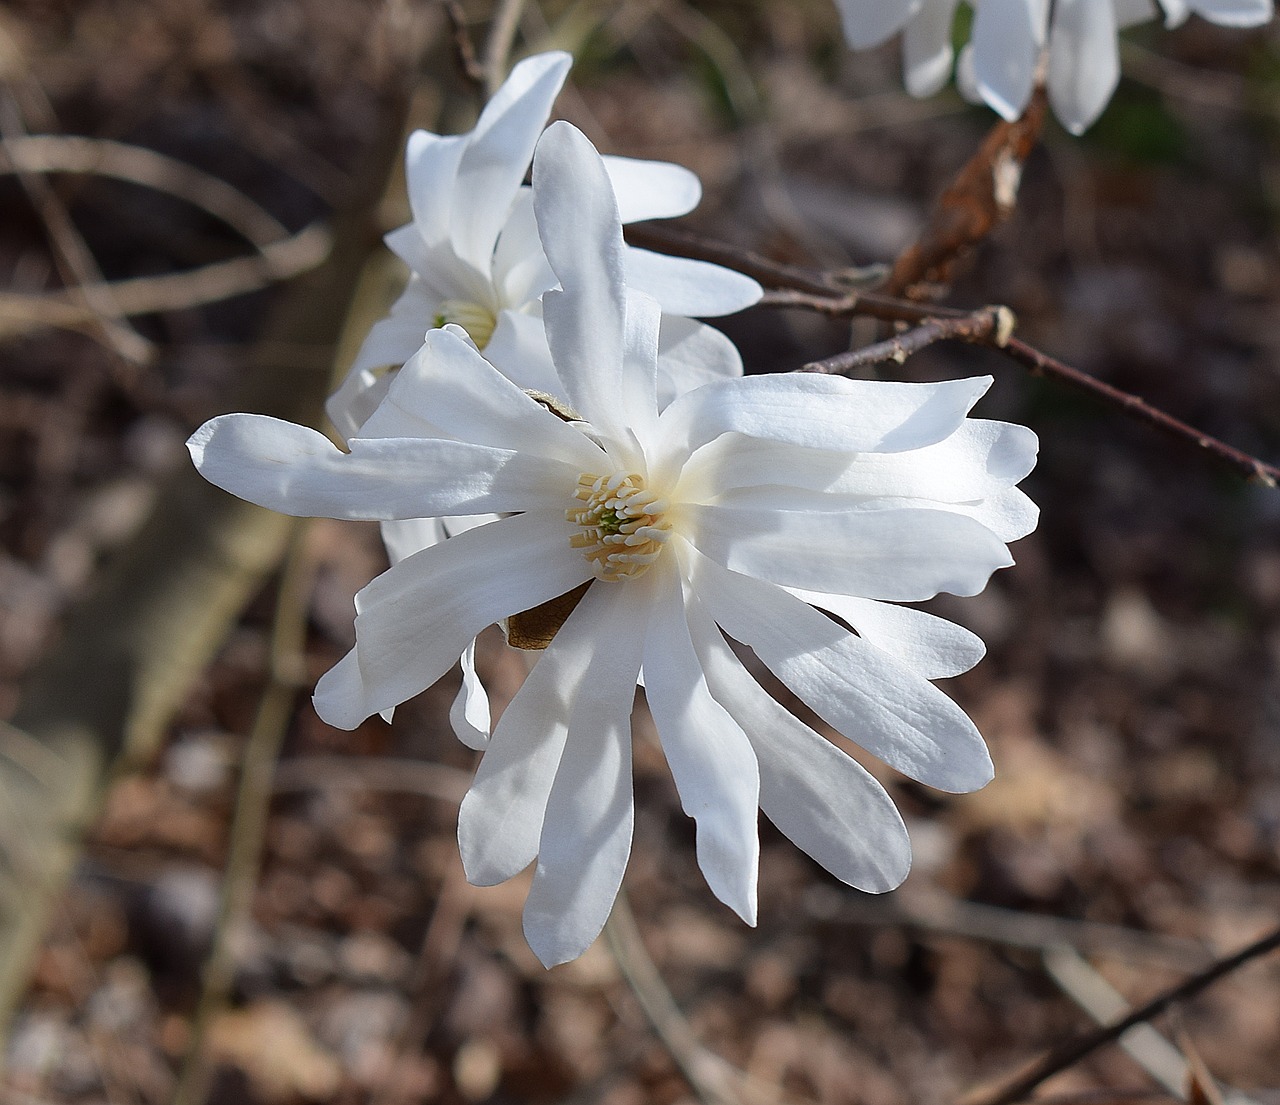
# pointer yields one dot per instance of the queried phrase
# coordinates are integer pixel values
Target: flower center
(477, 320)
(623, 528)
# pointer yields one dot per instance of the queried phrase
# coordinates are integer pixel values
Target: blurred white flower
(742, 511)
(475, 259)
(998, 65)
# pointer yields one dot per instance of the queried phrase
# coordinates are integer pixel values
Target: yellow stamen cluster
(623, 529)
(476, 319)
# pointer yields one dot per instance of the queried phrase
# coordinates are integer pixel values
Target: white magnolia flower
(475, 259)
(743, 510)
(999, 63)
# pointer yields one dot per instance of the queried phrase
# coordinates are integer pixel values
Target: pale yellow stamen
(476, 319)
(623, 528)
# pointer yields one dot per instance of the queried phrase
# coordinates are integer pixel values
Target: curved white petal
(695, 289)
(469, 714)
(926, 47)
(1007, 39)
(449, 385)
(690, 354)
(586, 835)
(858, 689)
(521, 272)
(501, 818)
(1234, 13)
(981, 458)
(298, 471)
(1175, 12)
(821, 412)
(431, 167)
(827, 803)
(519, 350)
(711, 759)
(405, 536)
(578, 222)
(351, 406)
(869, 22)
(903, 555)
(416, 618)
(1009, 514)
(932, 647)
(1084, 61)
(652, 189)
(498, 153)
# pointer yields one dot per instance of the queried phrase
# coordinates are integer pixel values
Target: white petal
(1007, 38)
(586, 836)
(1175, 12)
(416, 618)
(1129, 12)
(711, 759)
(639, 391)
(351, 406)
(405, 536)
(298, 471)
(981, 458)
(822, 412)
(521, 272)
(691, 288)
(926, 47)
(932, 647)
(519, 350)
(578, 222)
(859, 690)
(652, 189)
(501, 818)
(691, 354)
(469, 714)
(1084, 61)
(498, 153)
(449, 385)
(431, 166)
(1008, 514)
(869, 22)
(1234, 13)
(825, 802)
(903, 555)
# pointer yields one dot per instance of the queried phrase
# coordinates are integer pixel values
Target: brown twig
(982, 196)
(988, 326)
(464, 47)
(1075, 1050)
(811, 290)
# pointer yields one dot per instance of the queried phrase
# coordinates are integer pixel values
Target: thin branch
(497, 47)
(1072, 1052)
(821, 292)
(464, 48)
(989, 326)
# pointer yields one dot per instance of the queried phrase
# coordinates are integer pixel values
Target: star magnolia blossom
(999, 63)
(475, 259)
(742, 510)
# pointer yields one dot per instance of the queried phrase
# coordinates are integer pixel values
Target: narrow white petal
(406, 536)
(1234, 13)
(586, 836)
(652, 189)
(828, 804)
(578, 222)
(869, 22)
(1084, 61)
(298, 471)
(416, 618)
(1007, 38)
(351, 406)
(853, 686)
(521, 272)
(1009, 514)
(498, 154)
(469, 714)
(687, 287)
(431, 166)
(903, 555)
(501, 818)
(691, 354)
(926, 47)
(639, 395)
(1175, 12)
(519, 350)
(448, 384)
(711, 759)
(821, 412)
(932, 647)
